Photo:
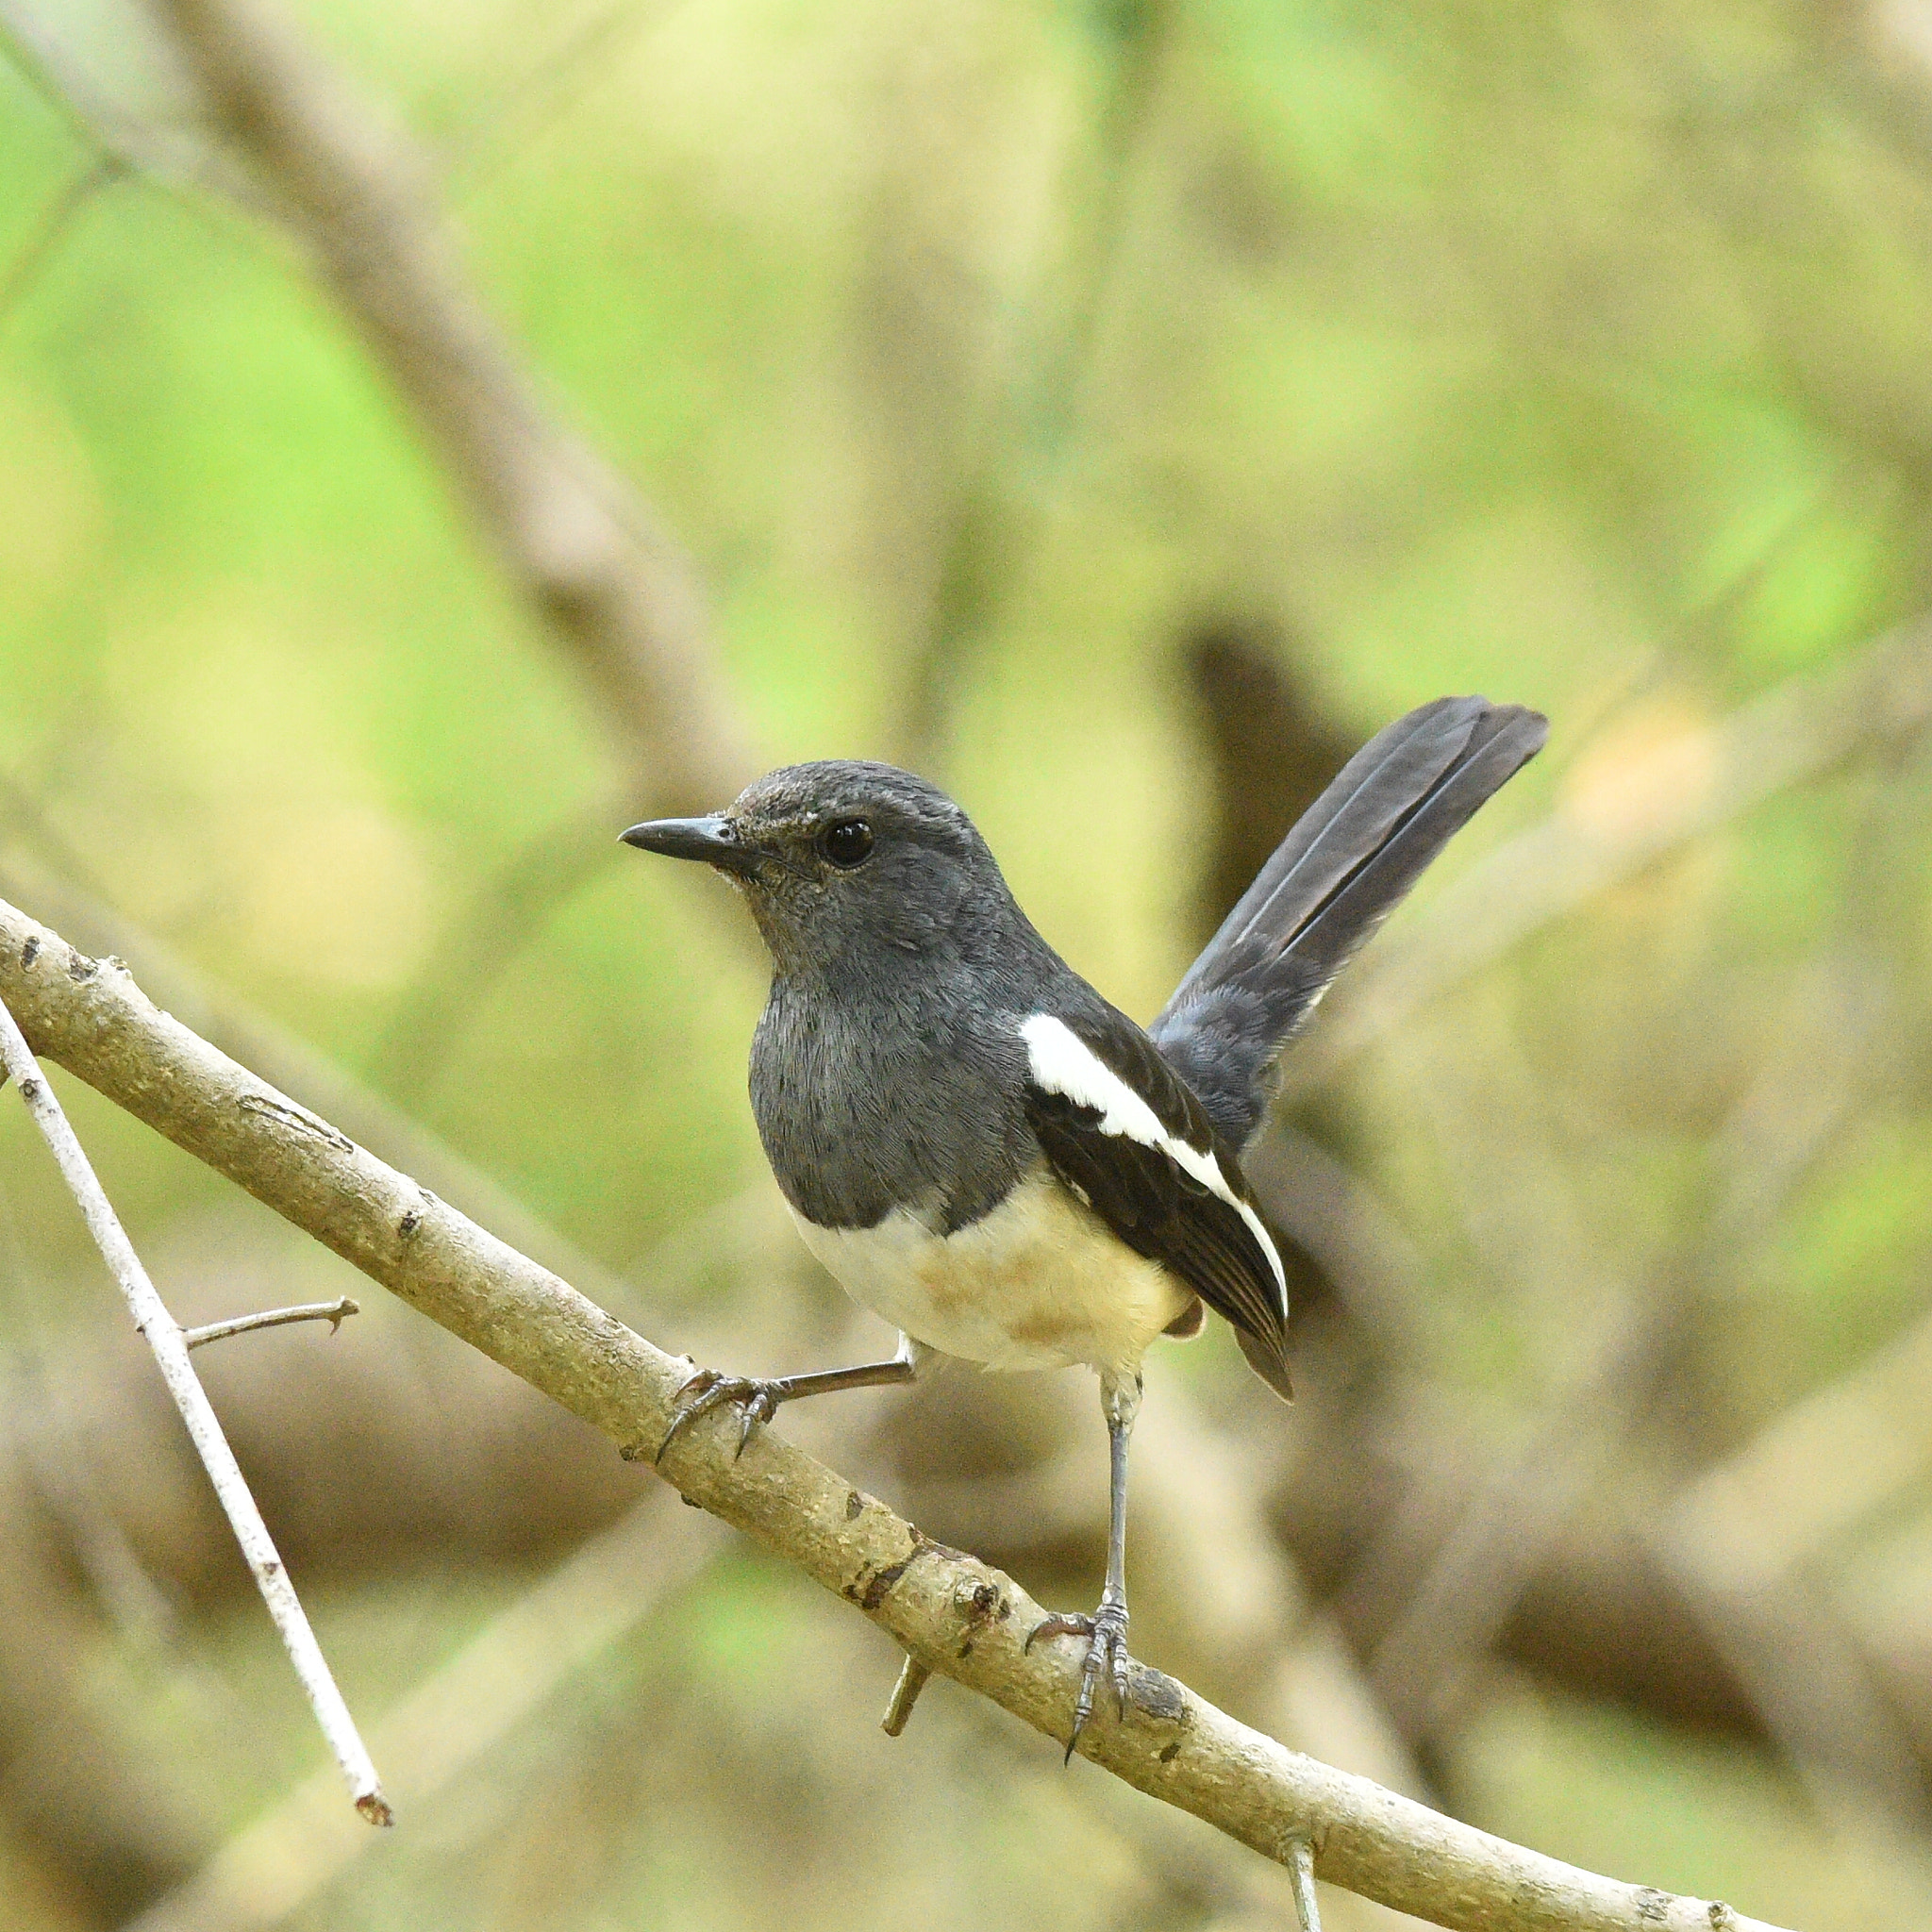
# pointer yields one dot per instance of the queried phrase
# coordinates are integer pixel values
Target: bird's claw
(1106, 1632)
(708, 1389)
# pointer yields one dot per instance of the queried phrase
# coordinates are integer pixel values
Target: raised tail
(1337, 875)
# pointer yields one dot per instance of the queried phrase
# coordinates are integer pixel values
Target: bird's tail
(1342, 871)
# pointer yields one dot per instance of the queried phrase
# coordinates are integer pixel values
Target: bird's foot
(1106, 1632)
(708, 1389)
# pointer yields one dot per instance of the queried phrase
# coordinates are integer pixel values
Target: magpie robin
(983, 1150)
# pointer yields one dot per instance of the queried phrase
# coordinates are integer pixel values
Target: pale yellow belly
(1040, 1283)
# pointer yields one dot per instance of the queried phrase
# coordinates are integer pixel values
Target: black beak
(710, 839)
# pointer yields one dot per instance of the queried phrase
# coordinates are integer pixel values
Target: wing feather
(1120, 1129)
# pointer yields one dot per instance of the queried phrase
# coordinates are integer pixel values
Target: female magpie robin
(983, 1150)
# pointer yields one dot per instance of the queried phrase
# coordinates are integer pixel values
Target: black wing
(1147, 1195)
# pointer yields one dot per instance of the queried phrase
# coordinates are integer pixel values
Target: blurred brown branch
(1612, 828)
(987, 511)
(584, 547)
(595, 561)
(949, 1611)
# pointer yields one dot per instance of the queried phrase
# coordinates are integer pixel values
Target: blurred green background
(1118, 412)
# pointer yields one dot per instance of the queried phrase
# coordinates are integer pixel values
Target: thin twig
(1170, 1743)
(335, 1313)
(165, 1337)
(53, 1452)
(444, 1726)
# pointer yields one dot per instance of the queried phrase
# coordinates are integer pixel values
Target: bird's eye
(847, 843)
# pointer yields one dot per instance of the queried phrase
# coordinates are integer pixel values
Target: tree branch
(955, 1614)
(241, 1029)
(163, 1335)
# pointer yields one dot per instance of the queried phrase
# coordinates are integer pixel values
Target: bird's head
(839, 856)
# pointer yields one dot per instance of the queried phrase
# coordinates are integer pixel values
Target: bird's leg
(761, 1396)
(1107, 1628)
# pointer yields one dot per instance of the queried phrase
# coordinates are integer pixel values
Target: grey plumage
(985, 1150)
(886, 1070)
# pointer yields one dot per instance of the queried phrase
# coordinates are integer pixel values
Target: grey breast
(904, 1091)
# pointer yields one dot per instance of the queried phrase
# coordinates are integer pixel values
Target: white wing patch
(1061, 1062)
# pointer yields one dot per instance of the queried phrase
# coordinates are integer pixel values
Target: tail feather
(1268, 1358)
(1338, 875)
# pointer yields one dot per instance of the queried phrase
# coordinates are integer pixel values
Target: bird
(986, 1152)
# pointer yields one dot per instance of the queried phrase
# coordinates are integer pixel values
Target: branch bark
(953, 1613)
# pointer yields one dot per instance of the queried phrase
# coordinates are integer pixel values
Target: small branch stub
(334, 1313)
(912, 1676)
(1301, 1868)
